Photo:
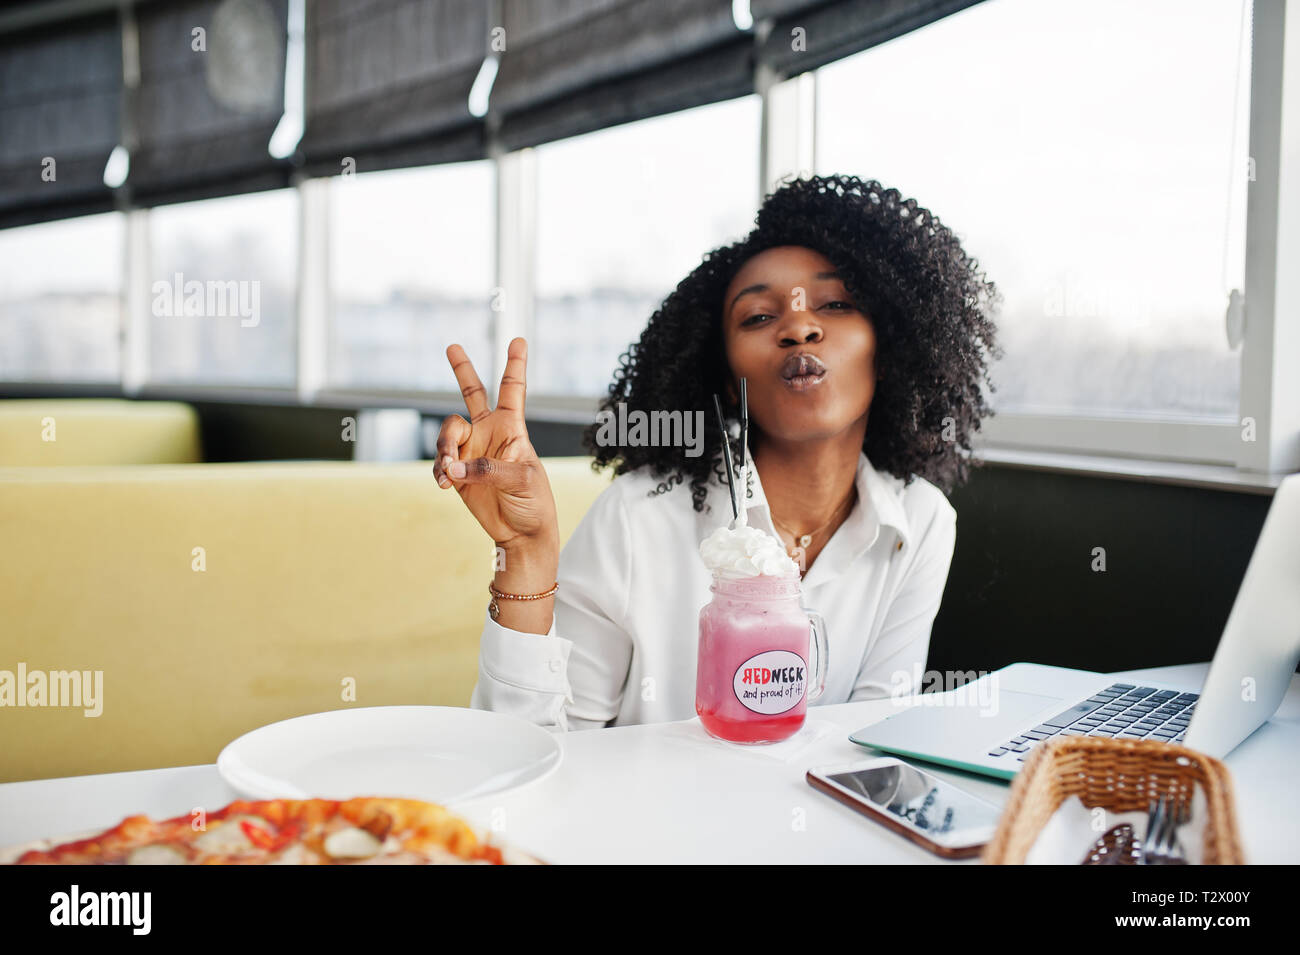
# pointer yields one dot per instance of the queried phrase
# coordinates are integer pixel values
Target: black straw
(744, 438)
(726, 456)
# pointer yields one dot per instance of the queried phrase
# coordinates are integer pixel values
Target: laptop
(989, 725)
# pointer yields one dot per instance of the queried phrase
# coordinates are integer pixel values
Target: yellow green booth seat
(197, 602)
(76, 431)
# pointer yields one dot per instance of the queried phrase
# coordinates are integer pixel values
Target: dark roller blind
(204, 118)
(388, 82)
(573, 66)
(60, 97)
(761, 9)
(840, 28)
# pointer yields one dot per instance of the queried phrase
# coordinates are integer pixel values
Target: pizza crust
(10, 854)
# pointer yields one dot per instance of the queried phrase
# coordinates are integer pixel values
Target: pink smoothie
(752, 677)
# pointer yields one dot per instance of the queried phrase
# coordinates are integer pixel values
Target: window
(623, 215)
(411, 273)
(1092, 156)
(61, 300)
(222, 290)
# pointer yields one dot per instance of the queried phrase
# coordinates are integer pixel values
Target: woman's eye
(843, 306)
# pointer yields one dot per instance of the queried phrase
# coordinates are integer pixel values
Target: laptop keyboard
(1122, 710)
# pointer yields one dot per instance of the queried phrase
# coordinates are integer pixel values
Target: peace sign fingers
(496, 469)
(475, 395)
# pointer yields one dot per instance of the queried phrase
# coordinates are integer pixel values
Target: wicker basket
(1122, 775)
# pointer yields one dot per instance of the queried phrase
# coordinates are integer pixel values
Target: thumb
(503, 475)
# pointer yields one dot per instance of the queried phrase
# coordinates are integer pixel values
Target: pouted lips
(803, 371)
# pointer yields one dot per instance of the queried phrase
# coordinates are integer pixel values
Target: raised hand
(491, 462)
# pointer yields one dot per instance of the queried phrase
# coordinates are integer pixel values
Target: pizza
(362, 831)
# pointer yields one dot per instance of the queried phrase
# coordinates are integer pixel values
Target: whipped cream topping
(746, 552)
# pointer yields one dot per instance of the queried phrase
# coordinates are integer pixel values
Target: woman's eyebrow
(760, 287)
(746, 291)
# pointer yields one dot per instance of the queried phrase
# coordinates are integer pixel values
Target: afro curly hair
(929, 304)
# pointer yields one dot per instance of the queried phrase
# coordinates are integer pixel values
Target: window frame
(787, 143)
(1187, 438)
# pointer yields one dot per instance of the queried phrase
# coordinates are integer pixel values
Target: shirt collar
(880, 504)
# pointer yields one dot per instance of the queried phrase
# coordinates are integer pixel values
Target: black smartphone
(934, 814)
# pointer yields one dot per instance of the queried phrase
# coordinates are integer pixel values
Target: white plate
(441, 754)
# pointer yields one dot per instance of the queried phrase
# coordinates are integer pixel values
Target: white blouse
(623, 642)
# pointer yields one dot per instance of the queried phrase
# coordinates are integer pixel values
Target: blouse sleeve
(904, 637)
(574, 676)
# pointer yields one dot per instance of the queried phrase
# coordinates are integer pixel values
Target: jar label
(771, 682)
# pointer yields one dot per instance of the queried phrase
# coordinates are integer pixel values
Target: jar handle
(817, 681)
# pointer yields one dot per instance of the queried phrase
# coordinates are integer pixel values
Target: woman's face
(787, 302)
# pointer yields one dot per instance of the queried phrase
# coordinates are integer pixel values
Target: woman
(863, 331)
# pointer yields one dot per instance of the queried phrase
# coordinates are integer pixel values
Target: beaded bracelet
(494, 608)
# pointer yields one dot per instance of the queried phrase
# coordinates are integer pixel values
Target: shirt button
(900, 543)
(555, 666)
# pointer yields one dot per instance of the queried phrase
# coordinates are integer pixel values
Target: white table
(659, 794)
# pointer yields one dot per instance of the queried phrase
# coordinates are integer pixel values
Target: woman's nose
(800, 327)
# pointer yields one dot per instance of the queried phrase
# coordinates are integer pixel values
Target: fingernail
(457, 469)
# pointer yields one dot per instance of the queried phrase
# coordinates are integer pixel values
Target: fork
(1160, 845)
(1115, 847)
